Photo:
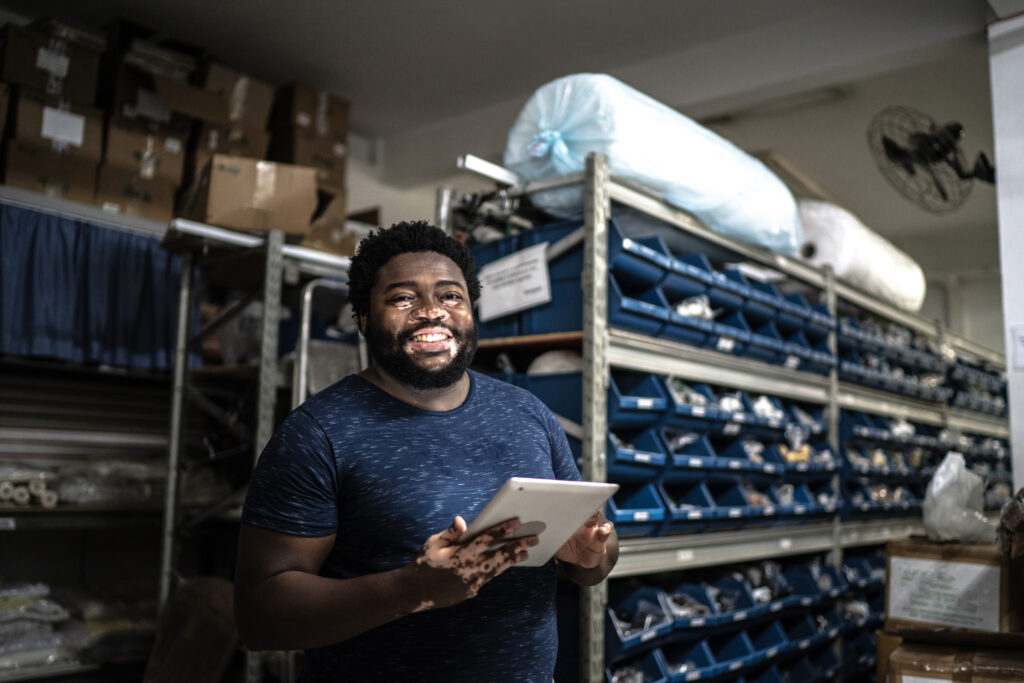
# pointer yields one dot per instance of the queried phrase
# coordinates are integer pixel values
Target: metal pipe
(300, 369)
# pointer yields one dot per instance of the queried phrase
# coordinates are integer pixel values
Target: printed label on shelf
(642, 516)
(63, 126)
(515, 283)
(698, 411)
(776, 607)
(726, 344)
(734, 464)
(684, 556)
(785, 543)
(735, 512)
(696, 462)
(647, 636)
(694, 514)
(739, 616)
(732, 428)
(959, 594)
(52, 62)
(641, 457)
(697, 622)
(792, 362)
(645, 403)
(694, 676)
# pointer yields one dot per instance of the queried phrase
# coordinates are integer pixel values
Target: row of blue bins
(752, 319)
(851, 336)
(853, 369)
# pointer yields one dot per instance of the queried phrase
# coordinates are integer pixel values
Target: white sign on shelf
(515, 283)
(63, 126)
(961, 594)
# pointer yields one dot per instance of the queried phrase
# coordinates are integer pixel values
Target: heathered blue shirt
(384, 476)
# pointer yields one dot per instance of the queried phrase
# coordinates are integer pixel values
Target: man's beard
(388, 351)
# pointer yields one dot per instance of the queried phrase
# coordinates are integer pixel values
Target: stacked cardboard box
(310, 128)
(55, 134)
(153, 111)
(949, 606)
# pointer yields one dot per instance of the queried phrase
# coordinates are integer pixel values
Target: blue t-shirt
(384, 476)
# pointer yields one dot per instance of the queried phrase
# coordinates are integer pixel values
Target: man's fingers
(497, 532)
(454, 532)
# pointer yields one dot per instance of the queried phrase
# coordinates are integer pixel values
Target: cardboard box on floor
(327, 156)
(312, 111)
(249, 99)
(148, 155)
(51, 174)
(915, 663)
(119, 190)
(58, 68)
(70, 129)
(952, 586)
(249, 194)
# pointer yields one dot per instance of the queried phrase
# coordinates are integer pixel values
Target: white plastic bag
(953, 504)
(654, 145)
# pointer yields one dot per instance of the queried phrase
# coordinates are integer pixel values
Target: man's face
(420, 327)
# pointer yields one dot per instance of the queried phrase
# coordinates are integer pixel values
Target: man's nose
(432, 312)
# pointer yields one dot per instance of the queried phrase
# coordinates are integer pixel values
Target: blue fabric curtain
(81, 292)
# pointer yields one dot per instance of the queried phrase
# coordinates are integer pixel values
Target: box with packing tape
(254, 195)
(121, 190)
(312, 111)
(327, 156)
(231, 140)
(952, 586)
(54, 175)
(53, 65)
(59, 126)
(150, 155)
(249, 99)
(915, 663)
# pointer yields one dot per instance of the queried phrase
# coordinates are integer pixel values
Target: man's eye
(401, 299)
(452, 296)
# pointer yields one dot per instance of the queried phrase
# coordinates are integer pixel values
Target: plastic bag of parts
(833, 236)
(953, 504)
(654, 145)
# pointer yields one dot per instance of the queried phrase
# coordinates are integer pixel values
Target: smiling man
(350, 540)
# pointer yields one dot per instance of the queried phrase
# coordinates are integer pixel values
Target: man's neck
(445, 398)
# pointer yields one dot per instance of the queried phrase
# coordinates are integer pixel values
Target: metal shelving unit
(604, 348)
(200, 244)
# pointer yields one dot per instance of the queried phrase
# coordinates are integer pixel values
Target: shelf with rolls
(713, 390)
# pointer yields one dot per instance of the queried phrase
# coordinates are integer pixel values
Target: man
(350, 539)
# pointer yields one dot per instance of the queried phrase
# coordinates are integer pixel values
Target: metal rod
(300, 370)
(443, 208)
(475, 164)
(268, 381)
(593, 599)
(167, 551)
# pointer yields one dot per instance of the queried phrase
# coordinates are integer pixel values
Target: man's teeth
(429, 337)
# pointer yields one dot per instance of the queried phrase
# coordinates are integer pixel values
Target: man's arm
(589, 556)
(282, 604)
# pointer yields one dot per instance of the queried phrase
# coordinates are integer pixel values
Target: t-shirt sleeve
(294, 485)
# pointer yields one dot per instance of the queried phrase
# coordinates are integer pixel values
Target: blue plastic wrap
(655, 146)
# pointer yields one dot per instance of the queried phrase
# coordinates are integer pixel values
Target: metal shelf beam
(637, 352)
(975, 423)
(853, 397)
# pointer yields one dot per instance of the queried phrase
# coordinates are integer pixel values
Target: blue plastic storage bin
(635, 399)
(686, 277)
(636, 510)
(731, 652)
(507, 325)
(689, 330)
(733, 334)
(650, 665)
(646, 617)
(692, 462)
(699, 594)
(768, 640)
(643, 460)
(689, 504)
(689, 661)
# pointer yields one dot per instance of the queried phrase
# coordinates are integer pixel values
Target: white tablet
(550, 508)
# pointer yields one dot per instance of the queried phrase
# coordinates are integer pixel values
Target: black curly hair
(382, 245)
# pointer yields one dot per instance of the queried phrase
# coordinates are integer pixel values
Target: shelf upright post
(182, 335)
(268, 382)
(836, 555)
(593, 599)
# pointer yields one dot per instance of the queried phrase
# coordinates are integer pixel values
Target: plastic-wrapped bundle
(655, 146)
(859, 256)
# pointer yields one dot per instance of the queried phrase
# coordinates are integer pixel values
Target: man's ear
(362, 324)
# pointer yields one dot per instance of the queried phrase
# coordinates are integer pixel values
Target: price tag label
(642, 457)
(735, 512)
(792, 362)
(696, 462)
(694, 514)
(684, 556)
(785, 543)
(645, 403)
(731, 428)
(726, 344)
(641, 516)
(698, 411)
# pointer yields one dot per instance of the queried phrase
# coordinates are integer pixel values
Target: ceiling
(431, 80)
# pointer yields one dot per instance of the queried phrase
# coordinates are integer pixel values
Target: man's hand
(589, 544)
(452, 572)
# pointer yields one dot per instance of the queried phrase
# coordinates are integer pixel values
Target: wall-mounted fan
(923, 160)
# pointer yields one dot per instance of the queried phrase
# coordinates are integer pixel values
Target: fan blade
(898, 154)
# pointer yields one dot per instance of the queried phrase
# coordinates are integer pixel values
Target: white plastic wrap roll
(859, 255)
(652, 144)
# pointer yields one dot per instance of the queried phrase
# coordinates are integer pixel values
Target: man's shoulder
(347, 393)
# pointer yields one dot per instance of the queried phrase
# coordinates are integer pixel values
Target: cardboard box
(57, 67)
(51, 174)
(913, 663)
(952, 586)
(313, 111)
(148, 99)
(71, 129)
(148, 155)
(119, 190)
(332, 232)
(328, 157)
(249, 99)
(248, 194)
(231, 140)
(885, 643)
